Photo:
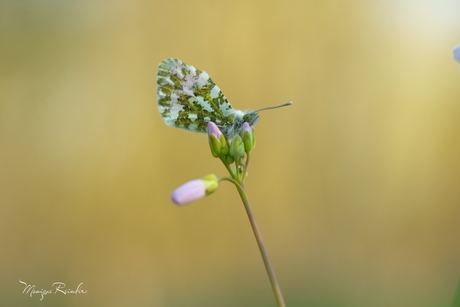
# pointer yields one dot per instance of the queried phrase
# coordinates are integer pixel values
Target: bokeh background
(355, 186)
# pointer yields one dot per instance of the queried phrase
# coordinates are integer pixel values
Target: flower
(217, 141)
(249, 139)
(195, 189)
(456, 53)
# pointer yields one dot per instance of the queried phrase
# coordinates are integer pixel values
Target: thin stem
(237, 170)
(229, 169)
(260, 242)
(246, 164)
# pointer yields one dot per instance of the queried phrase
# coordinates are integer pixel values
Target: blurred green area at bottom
(456, 300)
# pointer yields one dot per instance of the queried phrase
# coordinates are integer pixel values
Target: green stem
(260, 242)
(246, 164)
(229, 169)
(237, 170)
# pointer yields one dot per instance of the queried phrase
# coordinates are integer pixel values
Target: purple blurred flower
(456, 53)
(214, 130)
(188, 192)
(194, 190)
(246, 127)
(217, 141)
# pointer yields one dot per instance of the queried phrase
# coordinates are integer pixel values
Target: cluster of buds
(235, 150)
(232, 150)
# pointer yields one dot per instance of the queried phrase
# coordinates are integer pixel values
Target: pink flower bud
(217, 141)
(214, 130)
(194, 190)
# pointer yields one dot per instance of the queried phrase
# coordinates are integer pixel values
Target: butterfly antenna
(275, 107)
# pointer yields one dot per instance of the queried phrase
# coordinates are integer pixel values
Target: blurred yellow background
(355, 186)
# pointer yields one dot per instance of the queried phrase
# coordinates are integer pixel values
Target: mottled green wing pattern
(189, 99)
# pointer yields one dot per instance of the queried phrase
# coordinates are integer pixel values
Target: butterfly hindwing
(189, 99)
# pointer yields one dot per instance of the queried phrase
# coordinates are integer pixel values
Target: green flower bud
(228, 159)
(237, 147)
(217, 141)
(249, 139)
(215, 146)
(223, 142)
(211, 183)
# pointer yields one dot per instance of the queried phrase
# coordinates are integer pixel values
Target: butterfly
(189, 99)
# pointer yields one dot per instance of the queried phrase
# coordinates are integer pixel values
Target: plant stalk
(260, 242)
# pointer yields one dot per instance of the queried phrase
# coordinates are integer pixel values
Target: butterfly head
(251, 118)
(240, 117)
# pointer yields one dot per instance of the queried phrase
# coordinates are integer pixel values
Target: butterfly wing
(189, 99)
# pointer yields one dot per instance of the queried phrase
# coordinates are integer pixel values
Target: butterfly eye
(251, 118)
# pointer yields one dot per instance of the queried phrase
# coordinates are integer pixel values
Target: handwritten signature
(57, 287)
